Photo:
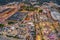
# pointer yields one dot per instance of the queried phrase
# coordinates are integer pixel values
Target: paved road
(8, 38)
(8, 14)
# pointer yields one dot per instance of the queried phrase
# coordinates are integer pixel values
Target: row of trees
(30, 8)
(2, 25)
(27, 8)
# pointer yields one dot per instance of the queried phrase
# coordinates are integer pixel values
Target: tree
(40, 10)
(20, 9)
(10, 22)
(1, 25)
